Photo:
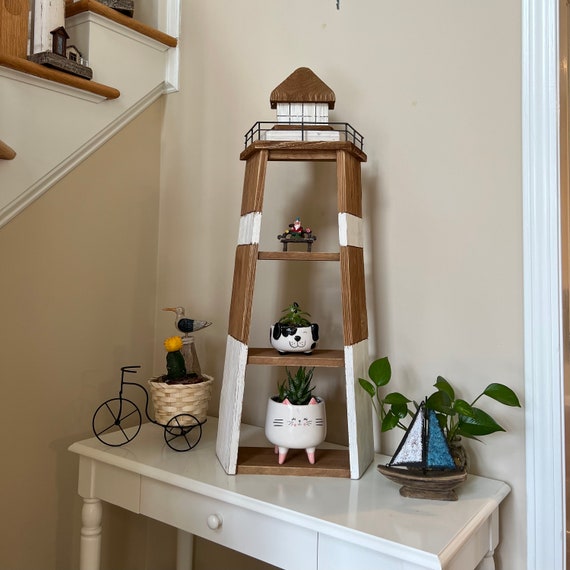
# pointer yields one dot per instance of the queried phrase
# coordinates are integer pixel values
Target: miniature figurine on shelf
(48, 44)
(63, 57)
(296, 233)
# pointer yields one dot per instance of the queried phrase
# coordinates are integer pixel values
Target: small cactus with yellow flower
(176, 365)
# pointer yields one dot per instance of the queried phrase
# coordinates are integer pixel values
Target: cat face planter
(287, 338)
(296, 427)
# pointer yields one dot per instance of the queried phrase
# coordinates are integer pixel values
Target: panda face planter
(288, 338)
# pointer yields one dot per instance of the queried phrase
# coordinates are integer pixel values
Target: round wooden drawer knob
(214, 522)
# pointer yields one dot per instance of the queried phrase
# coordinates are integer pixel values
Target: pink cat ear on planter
(287, 402)
(313, 401)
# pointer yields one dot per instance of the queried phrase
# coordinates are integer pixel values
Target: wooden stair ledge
(72, 8)
(31, 68)
(6, 153)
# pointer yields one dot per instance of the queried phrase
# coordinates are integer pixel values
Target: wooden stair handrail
(31, 68)
(6, 152)
(72, 8)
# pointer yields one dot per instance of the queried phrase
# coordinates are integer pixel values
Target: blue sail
(438, 454)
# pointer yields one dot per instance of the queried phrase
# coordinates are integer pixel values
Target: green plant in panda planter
(294, 332)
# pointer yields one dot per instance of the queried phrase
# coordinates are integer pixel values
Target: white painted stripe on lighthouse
(350, 230)
(249, 228)
(231, 402)
(358, 409)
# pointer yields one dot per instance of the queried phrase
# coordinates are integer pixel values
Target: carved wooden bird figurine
(184, 324)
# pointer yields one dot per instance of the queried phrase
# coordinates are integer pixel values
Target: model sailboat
(423, 463)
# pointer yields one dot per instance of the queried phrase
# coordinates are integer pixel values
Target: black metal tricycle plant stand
(181, 433)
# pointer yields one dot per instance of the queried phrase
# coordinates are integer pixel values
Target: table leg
(184, 550)
(90, 548)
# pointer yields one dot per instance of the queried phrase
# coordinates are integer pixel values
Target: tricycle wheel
(182, 432)
(115, 413)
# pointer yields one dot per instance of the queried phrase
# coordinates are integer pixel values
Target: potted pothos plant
(179, 391)
(296, 419)
(294, 332)
(457, 417)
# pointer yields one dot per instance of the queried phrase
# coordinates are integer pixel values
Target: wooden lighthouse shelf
(353, 357)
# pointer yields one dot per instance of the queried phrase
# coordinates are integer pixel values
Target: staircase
(52, 121)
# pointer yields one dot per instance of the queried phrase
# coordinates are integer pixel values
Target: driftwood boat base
(436, 485)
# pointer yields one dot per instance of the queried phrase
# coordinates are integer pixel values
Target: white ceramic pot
(286, 338)
(296, 427)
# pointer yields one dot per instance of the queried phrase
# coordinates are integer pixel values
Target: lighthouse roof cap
(302, 86)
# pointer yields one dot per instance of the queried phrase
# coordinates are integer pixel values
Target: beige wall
(78, 302)
(434, 87)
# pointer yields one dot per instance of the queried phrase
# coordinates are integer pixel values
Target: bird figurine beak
(170, 309)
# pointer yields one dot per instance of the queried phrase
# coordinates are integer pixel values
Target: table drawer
(257, 535)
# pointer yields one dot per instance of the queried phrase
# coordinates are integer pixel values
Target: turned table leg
(90, 548)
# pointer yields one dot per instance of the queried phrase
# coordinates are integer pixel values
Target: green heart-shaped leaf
(502, 394)
(380, 371)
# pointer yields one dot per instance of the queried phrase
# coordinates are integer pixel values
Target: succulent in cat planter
(293, 332)
(295, 418)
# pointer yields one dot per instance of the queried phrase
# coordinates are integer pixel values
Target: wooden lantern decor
(302, 102)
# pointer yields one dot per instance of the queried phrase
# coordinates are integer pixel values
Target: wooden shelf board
(324, 358)
(299, 256)
(303, 150)
(6, 152)
(263, 461)
(73, 8)
(37, 70)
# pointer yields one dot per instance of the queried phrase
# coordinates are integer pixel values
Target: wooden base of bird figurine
(188, 351)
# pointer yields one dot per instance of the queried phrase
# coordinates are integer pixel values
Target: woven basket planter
(169, 400)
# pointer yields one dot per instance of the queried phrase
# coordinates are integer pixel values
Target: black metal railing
(309, 131)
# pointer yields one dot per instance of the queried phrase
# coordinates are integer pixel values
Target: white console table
(335, 524)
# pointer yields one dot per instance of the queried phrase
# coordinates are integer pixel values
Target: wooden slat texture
(6, 153)
(324, 358)
(299, 256)
(73, 8)
(31, 68)
(14, 27)
(242, 292)
(263, 461)
(349, 184)
(254, 183)
(303, 150)
(355, 322)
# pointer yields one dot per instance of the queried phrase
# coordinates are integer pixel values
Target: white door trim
(544, 395)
